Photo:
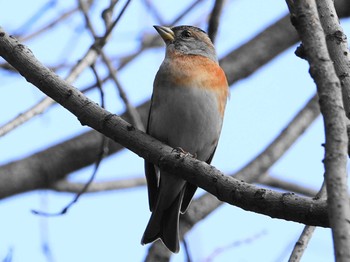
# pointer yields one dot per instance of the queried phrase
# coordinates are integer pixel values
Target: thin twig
(74, 187)
(109, 29)
(102, 153)
(9, 255)
(281, 184)
(213, 255)
(39, 13)
(187, 250)
(50, 25)
(85, 9)
(301, 244)
(44, 230)
(134, 115)
(88, 59)
(135, 118)
(66, 186)
(43, 29)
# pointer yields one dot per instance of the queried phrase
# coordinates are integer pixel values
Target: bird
(189, 97)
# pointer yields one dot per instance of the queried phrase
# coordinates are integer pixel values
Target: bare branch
(274, 182)
(265, 46)
(322, 70)
(60, 160)
(238, 64)
(103, 151)
(214, 19)
(50, 25)
(36, 16)
(108, 13)
(83, 147)
(74, 187)
(130, 109)
(88, 59)
(337, 47)
(262, 48)
(134, 115)
(234, 244)
(282, 143)
(66, 186)
(303, 241)
(228, 189)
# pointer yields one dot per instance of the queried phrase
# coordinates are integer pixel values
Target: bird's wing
(191, 189)
(151, 173)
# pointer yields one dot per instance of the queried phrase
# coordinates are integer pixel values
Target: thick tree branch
(228, 189)
(322, 70)
(44, 168)
(337, 47)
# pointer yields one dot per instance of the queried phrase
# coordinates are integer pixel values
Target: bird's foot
(183, 153)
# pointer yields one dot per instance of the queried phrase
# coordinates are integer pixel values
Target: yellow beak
(165, 32)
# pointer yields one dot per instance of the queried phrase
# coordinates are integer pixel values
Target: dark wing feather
(191, 189)
(151, 174)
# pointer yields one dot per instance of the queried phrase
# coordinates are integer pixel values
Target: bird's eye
(186, 34)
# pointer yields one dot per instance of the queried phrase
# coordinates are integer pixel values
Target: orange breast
(201, 72)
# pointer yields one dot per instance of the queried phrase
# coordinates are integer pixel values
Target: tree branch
(308, 24)
(80, 146)
(228, 189)
(307, 233)
(274, 182)
(337, 47)
(66, 186)
(214, 19)
(88, 59)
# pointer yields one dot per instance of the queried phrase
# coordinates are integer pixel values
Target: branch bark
(337, 47)
(308, 24)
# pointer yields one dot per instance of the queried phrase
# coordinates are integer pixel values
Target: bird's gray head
(188, 40)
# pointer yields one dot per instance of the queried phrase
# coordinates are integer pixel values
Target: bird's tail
(164, 224)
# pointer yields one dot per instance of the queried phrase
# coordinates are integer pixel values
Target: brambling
(189, 97)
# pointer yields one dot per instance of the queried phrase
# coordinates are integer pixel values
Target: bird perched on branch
(189, 97)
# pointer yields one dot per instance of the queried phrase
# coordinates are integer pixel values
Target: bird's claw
(183, 153)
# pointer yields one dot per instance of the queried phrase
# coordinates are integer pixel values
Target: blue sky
(108, 226)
